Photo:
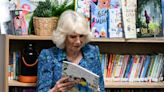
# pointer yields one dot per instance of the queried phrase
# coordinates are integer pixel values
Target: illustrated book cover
(75, 72)
(115, 24)
(149, 18)
(83, 7)
(129, 17)
(99, 18)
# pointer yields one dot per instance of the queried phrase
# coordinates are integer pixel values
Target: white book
(83, 7)
(129, 18)
(75, 71)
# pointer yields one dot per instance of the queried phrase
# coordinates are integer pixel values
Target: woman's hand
(63, 85)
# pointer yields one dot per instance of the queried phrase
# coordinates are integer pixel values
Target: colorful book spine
(134, 68)
(151, 67)
(145, 67)
(109, 65)
(125, 62)
(128, 68)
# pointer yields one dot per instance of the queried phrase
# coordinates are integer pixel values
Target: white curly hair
(70, 22)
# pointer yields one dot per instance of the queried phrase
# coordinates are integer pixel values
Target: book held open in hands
(76, 72)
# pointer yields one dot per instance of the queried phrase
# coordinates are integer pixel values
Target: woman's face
(75, 42)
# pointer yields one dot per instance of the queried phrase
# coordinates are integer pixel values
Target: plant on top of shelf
(46, 15)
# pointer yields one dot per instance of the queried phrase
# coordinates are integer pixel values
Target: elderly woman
(71, 38)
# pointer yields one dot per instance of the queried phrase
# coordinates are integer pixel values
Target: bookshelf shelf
(137, 40)
(134, 85)
(108, 40)
(107, 85)
(147, 40)
(20, 84)
(28, 37)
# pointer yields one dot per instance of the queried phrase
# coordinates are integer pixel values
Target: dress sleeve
(101, 79)
(44, 72)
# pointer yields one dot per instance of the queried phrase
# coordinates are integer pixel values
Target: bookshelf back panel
(131, 48)
(16, 45)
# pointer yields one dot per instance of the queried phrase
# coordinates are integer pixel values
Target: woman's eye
(73, 36)
(81, 35)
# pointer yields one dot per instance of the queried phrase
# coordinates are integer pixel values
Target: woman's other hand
(63, 85)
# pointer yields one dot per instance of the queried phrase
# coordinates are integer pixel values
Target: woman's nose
(78, 40)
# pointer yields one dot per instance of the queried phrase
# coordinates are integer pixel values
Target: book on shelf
(163, 17)
(129, 17)
(76, 72)
(83, 7)
(21, 15)
(149, 18)
(13, 66)
(99, 17)
(115, 25)
(134, 68)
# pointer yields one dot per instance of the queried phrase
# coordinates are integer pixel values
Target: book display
(130, 36)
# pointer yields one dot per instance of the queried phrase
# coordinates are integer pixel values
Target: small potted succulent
(46, 15)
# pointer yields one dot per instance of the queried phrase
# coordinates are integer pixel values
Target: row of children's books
(133, 68)
(123, 18)
(106, 18)
(115, 67)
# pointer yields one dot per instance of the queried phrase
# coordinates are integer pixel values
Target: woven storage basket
(44, 26)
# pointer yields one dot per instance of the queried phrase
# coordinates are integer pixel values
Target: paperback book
(115, 24)
(99, 18)
(129, 17)
(76, 72)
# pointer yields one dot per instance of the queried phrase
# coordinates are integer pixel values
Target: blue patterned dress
(50, 67)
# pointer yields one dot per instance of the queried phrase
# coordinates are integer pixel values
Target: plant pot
(44, 26)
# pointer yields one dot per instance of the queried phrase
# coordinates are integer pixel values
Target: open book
(75, 71)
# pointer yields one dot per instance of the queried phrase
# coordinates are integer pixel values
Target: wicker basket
(44, 26)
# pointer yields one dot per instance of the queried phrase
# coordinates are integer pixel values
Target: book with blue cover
(99, 18)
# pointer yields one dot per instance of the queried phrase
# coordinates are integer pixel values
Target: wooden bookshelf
(107, 85)
(114, 45)
(147, 40)
(28, 37)
(20, 84)
(134, 85)
(137, 40)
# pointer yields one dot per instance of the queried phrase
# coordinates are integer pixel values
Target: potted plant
(46, 15)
